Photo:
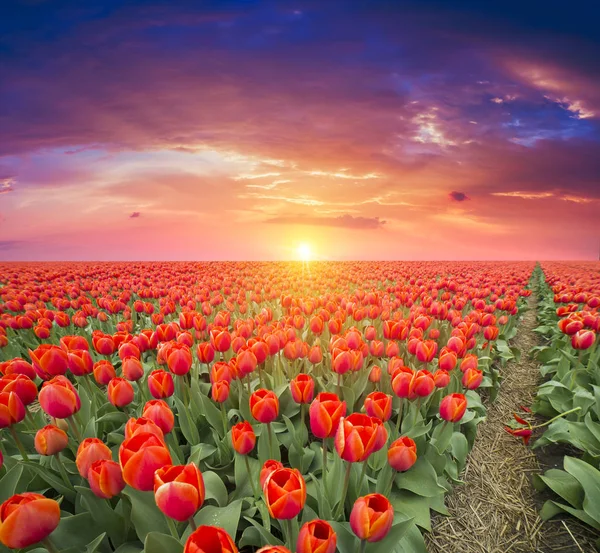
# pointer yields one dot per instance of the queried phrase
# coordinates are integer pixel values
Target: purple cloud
(135, 215)
(458, 196)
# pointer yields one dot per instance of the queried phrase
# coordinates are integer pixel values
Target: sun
(304, 252)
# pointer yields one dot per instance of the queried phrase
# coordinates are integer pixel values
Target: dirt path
(495, 510)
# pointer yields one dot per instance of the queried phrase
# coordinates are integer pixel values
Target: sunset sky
(241, 130)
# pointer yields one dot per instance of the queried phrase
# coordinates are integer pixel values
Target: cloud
(6, 245)
(345, 221)
(135, 215)
(458, 196)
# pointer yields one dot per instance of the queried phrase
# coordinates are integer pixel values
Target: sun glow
(304, 252)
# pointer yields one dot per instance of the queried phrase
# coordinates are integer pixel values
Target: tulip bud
(243, 438)
(270, 466)
(402, 454)
(583, 339)
(316, 536)
(375, 374)
(140, 456)
(160, 413)
(358, 436)
(325, 413)
(105, 478)
(302, 388)
(220, 391)
(264, 406)
(59, 398)
(472, 378)
(160, 384)
(209, 539)
(104, 372)
(21, 385)
(89, 451)
(132, 368)
(120, 392)
(27, 518)
(378, 404)
(50, 440)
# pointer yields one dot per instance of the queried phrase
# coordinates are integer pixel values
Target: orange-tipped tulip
(358, 436)
(140, 456)
(583, 339)
(120, 392)
(179, 490)
(264, 405)
(132, 368)
(160, 384)
(285, 493)
(378, 404)
(371, 517)
(104, 372)
(179, 359)
(453, 407)
(375, 374)
(472, 378)
(325, 413)
(160, 413)
(49, 361)
(80, 362)
(21, 385)
(143, 424)
(243, 437)
(302, 388)
(220, 391)
(209, 539)
(402, 454)
(59, 398)
(27, 518)
(270, 466)
(316, 536)
(105, 478)
(50, 440)
(90, 451)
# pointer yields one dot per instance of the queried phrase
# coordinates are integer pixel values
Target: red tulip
(105, 478)
(143, 424)
(285, 493)
(302, 388)
(220, 339)
(264, 406)
(132, 368)
(583, 339)
(205, 353)
(21, 385)
(140, 456)
(472, 378)
(59, 398)
(447, 359)
(375, 374)
(453, 407)
(49, 361)
(160, 413)
(341, 361)
(89, 451)
(160, 384)
(179, 359)
(50, 440)
(402, 454)
(104, 372)
(220, 391)
(316, 536)
(120, 392)
(209, 539)
(371, 517)
(378, 404)
(325, 413)
(27, 518)
(179, 490)
(19, 366)
(246, 362)
(270, 466)
(358, 436)
(243, 438)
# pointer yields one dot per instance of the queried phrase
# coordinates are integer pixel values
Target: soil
(497, 509)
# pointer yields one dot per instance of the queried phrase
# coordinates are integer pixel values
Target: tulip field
(289, 407)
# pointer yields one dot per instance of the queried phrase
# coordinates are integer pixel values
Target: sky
(188, 130)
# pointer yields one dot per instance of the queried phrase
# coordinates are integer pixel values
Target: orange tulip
(220, 391)
(49, 361)
(209, 539)
(179, 490)
(179, 359)
(378, 404)
(358, 436)
(583, 339)
(160, 384)
(21, 385)
(89, 451)
(453, 407)
(80, 362)
(120, 392)
(371, 517)
(105, 478)
(59, 398)
(143, 424)
(160, 413)
(264, 406)
(375, 374)
(140, 456)
(132, 368)
(285, 493)
(325, 413)
(472, 378)
(302, 388)
(104, 372)
(316, 536)
(27, 518)
(50, 440)
(269, 466)
(243, 438)
(402, 454)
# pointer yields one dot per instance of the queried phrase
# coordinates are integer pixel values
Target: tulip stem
(394, 472)
(75, 429)
(339, 385)
(251, 477)
(557, 417)
(399, 419)
(290, 534)
(363, 545)
(193, 524)
(363, 473)
(324, 464)
(270, 433)
(172, 528)
(224, 419)
(63, 472)
(18, 443)
(49, 546)
(340, 508)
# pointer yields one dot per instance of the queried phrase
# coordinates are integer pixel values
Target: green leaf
(243, 486)
(589, 478)
(442, 434)
(75, 531)
(347, 542)
(129, 548)
(552, 508)
(92, 547)
(264, 448)
(215, 488)
(266, 537)
(145, 515)
(459, 446)
(420, 479)
(227, 518)
(200, 452)
(10, 481)
(161, 543)
(212, 413)
(188, 426)
(412, 542)
(51, 478)
(565, 485)
(106, 517)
